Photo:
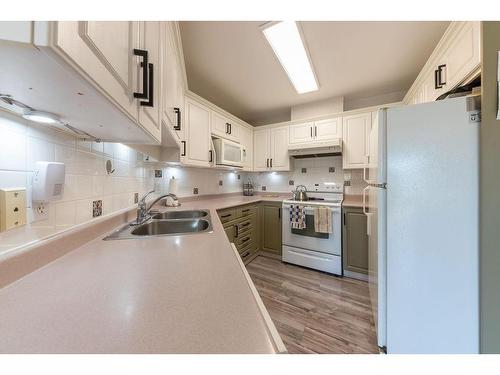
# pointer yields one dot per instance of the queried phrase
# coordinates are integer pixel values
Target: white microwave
(228, 153)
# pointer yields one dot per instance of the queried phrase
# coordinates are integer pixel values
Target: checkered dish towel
(297, 217)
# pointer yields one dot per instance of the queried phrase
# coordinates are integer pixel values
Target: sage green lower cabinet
(242, 229)
(271, 228)
(355, 240)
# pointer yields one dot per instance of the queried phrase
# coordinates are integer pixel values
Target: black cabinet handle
(227, 127)
(150, 102)
(245, 239)
(315, 131)
(144, 65)
(245, 225)
(224, 216)
(230, 129)
(245, 254)
(184, 148)
(245, 210)
(271, 163)
(267, 163)
(211, 156)
(311, 131)
(438, 77)
(279, 213)
(237, 231)
(178, 113)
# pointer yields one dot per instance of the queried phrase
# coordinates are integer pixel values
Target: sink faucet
(143, 209)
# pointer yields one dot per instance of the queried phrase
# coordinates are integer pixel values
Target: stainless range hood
(316, 149)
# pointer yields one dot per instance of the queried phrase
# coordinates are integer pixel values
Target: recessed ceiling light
(286, 42)
(41, 117)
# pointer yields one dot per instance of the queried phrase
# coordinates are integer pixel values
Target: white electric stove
(308, 248)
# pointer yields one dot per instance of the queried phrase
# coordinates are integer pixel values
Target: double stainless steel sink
(168, 223)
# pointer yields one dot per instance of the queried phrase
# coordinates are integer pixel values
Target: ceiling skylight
(286, 42)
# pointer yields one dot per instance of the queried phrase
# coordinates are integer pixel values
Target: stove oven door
(308, 238)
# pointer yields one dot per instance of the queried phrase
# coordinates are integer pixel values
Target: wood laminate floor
(313, 311)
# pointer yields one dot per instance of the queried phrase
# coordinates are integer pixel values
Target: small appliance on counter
(248, 188)
(172, 189)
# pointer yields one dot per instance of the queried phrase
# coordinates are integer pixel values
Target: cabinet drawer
(247, 211)
(228, 215)
(245, 238)
(246, 251)
(246, 224)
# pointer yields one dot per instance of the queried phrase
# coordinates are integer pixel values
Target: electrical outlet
(158, 173)
(239, 177)
(220, 182)
(97, 208)
(304, 170)
(291, 182)
(40, 211)
(195, 191)
(331, 169)
(136, 197)
(263, 187)
(347, 183)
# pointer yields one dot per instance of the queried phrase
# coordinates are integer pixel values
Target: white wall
(392, 97)
(318, 108)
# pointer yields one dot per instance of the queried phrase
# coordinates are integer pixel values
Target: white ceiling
(231, 64)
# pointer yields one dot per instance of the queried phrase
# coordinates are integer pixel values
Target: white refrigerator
(421, 204)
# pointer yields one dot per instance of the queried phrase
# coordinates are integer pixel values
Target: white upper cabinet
(197, 144)
(279, 157)
(173, 82)
(301, 133)
(103, 50)
(323, 130)
(356, 129)
(271, 149)
(463, 55)
(327, 130)
(149, 109)
(224, 127)
(246, 139)
(261, 149)
(456, 60)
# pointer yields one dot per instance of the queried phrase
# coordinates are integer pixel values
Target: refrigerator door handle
(365, 211)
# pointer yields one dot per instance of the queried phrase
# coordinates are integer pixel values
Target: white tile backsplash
(22, 143)
(317, 172)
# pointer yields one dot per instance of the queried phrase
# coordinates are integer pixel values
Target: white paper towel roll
(172, 186)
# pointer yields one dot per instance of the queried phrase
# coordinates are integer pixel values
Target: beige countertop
(352, 201)
(171, 294)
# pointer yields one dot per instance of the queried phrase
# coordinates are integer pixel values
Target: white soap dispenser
(48, 181)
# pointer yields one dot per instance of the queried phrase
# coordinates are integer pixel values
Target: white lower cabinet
(271, 149)
(355, 140)
(197, 143)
